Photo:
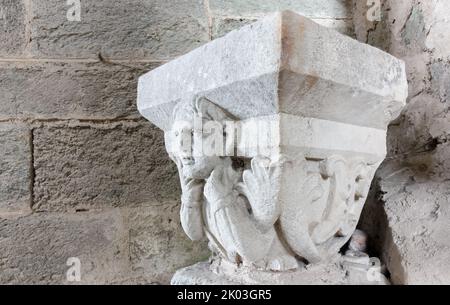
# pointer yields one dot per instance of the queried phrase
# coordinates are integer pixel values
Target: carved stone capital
(297, 114)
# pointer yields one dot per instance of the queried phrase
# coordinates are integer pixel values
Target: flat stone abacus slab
(285, 63)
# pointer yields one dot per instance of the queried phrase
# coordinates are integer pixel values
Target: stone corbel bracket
(331, 99)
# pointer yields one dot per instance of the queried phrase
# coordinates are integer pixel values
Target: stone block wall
(409, 215)
(81, 173)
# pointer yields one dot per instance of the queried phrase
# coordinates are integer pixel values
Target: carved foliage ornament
(265, 212)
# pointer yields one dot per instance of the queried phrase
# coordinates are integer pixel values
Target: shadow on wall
(374, 222)
(406, 213)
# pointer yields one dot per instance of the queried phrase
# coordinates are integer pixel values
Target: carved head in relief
(197, 137)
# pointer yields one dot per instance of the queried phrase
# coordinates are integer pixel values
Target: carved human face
(194, 163)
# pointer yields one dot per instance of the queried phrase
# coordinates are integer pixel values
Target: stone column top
(284, 63)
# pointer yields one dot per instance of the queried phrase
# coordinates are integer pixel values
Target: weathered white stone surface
(336, 272)
(268, 66)
(356, 267)
(298, 191)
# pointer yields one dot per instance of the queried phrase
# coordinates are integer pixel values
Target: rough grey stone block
(343, 26)
(308, 8)
(155, 29)
(15, 170)
(120, 246)
(418, 247)
(158, 245)
(12, 27)
(437, 38)
(35, 249)
(68, 90)
(441, 79)
(414, 33)
(222, 26)
(85, 167)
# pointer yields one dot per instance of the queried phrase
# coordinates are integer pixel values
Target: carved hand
(192, 192)
(261, 186)
(192, 189)
(219, 187)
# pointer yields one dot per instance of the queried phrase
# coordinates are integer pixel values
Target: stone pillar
(277, 130)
